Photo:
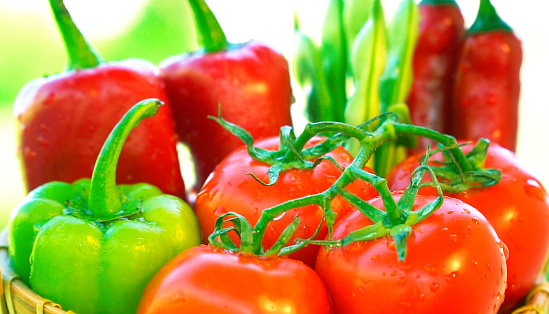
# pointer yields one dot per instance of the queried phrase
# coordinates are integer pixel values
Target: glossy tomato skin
(231, 189)
(454, 264)
(518, 209)
(209, 280)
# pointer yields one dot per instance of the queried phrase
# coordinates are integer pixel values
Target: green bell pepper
(93, 246)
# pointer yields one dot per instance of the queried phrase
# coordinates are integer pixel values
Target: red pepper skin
(59, 140)
(251, 84)
(487, 87)
(441, 31)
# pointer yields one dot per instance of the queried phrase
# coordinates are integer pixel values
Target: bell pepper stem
(488, 20)
(104, 200)
(80, 53)
(209, 33)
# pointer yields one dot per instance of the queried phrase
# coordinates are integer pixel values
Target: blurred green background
(30, 47)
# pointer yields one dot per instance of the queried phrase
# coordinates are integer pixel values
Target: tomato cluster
(485, 245)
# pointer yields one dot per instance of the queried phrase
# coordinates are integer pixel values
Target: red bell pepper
(58, 138)
(441, 31)
(249, 82)
(487, 86)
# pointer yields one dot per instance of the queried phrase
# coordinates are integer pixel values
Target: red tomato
(204, 279)
(454, 264)
(231, 189)
(517, 208)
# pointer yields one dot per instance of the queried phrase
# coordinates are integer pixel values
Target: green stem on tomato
(209, 33)
(104, 200)
(398, 217)
(488, 20)
(80, 53)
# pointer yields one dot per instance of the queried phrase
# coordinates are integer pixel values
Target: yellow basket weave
(17, 298)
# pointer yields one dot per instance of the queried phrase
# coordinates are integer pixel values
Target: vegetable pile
(402, 194)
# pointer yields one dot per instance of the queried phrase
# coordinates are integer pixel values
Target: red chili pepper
(64, 119)
(487, 86)
(250, 82)
(441, 31)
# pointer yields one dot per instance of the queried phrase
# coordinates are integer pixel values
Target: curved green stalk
(80, 53)
(209, 33)
(104, 199)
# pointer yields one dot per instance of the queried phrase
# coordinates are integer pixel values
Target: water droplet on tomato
(434, 287)
(504, 249)
(406, 305)
(401, 280)
(220, 211)
(533, 189)
(375, 257)
(452, 276)
(330, 179)
(498, 296)
(42, 141)
(476, 221)
(430, 269)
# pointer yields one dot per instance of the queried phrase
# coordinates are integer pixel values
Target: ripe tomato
(454, 264)
(231, 189)
(204, 279)
(518, 209)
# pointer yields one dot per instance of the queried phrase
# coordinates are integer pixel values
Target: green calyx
(461, 171)
(455, 179)
(104, 201)
(80, 53)
(488, 20)
(209, 33)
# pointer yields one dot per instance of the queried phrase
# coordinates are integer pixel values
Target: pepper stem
(80, 53)
(488, 20)
(104, 200)
(209, 33)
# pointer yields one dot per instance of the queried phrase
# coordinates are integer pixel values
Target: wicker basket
(17, 298)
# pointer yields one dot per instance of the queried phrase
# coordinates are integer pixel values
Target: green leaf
(333, 50)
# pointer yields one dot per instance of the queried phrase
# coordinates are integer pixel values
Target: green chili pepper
(368, 58)
(93, 246)
(396, 80)
(333, 49)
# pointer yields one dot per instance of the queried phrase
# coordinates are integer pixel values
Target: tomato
(455, 263)
(230, 188)
(209, 280)
(518, 209)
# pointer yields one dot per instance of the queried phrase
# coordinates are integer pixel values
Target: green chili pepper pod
(93, 246)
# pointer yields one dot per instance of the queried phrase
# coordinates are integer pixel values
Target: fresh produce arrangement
(402, 193)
